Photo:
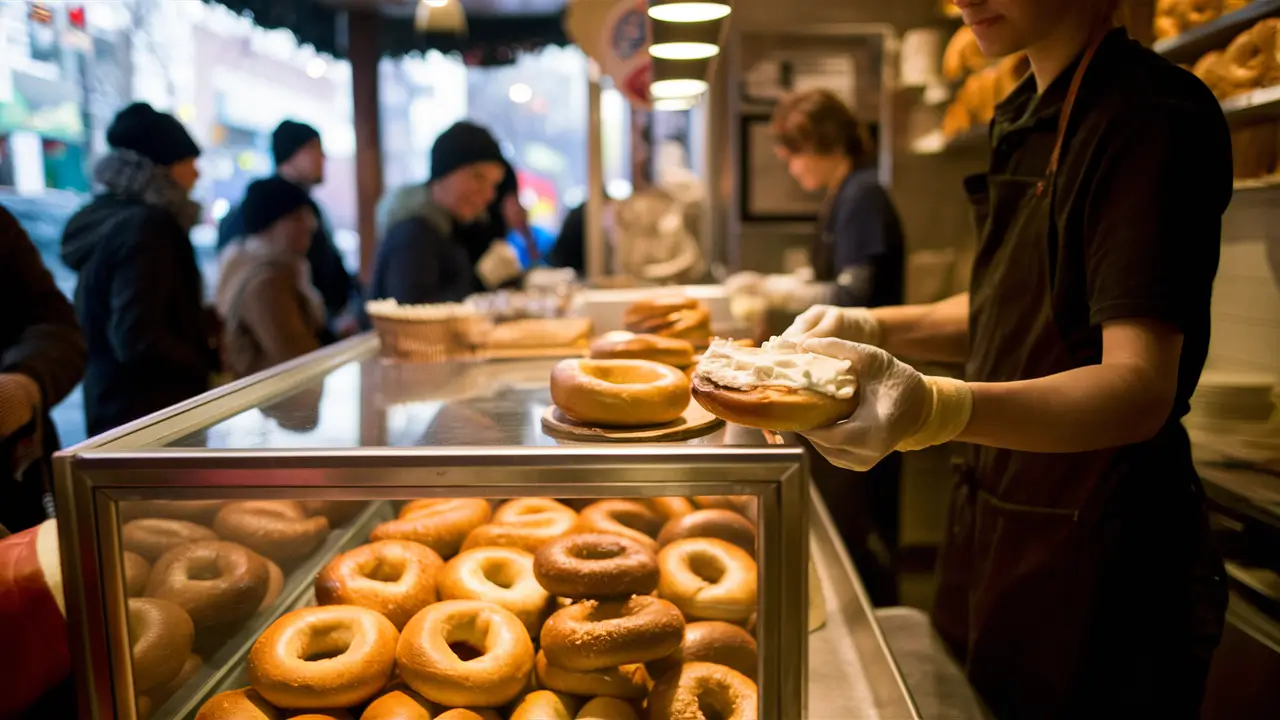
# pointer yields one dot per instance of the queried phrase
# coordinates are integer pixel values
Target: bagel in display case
(419, 555)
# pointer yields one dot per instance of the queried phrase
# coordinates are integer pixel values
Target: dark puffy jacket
(39, 338)
(139, 301)
(420, 258)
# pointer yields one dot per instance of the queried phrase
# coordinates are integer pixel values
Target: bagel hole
(467, 638)
(596, 552)
(465, 651)
(386, 572)
(709, 710)
(326, 643)
(627, 375)
(203, 571)
(707, 567)
(501, 574)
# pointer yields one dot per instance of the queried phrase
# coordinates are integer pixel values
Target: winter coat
(420, 258)
(39, 338)
(139, 301)
(271, 312)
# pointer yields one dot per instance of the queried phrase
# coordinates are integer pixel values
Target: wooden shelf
(1254, 106)
(1190, 45)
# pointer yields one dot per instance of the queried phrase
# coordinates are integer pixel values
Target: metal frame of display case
(131, 464)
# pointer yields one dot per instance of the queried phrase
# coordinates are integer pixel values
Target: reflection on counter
(441, 603)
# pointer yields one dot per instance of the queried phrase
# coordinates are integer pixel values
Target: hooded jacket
(420, 259)
(271, 312)
(139, 303)
(39, 338)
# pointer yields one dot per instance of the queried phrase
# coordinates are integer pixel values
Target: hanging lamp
(685, 41)
(678, 78)
(684, 11)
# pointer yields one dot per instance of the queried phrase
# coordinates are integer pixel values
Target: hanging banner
(625, 50)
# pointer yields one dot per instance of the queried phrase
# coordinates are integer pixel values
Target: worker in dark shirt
(858, 247)
(422, 257)
(300, 159)
(1077, 577)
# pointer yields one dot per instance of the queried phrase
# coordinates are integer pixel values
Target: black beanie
(269, 200)
(289, 138)
(463, 144)
(157, 136)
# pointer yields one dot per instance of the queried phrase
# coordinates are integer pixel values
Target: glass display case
(197, 544)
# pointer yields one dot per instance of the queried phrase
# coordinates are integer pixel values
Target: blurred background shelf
(1187, 47)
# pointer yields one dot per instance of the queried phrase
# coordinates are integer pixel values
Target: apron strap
(1065, 114)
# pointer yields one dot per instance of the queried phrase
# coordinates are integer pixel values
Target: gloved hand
(827, 321)
(19, 400)
(898, 408)
(498, 265)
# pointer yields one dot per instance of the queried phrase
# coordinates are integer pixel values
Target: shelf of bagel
(347, 538)
(979, 84)
(1231, 47)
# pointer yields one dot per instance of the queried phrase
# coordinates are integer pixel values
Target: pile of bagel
(1250, 62)
(1174, 17)
(194, 572)
(528, 609)
(984, 82)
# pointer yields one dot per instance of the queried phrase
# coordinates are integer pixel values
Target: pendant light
(678, 78)
(675, 104)
(685, 41)
(684, 11)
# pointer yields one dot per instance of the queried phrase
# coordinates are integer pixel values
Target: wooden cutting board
(695, 422)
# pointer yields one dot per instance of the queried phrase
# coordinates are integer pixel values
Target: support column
(364, 53)
(593, 218)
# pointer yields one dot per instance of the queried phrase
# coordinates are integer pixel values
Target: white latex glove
(827, 321)
(898, 408)
(499, 264)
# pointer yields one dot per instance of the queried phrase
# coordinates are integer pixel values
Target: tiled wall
(1246, 296)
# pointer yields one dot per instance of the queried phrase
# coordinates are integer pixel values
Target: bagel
(963, 55)
(277, 529)
(708, 579)
(326, 715)
(323, 657)
(499, 575)
(726, 525)
(153, 537)
(775, 387)
(136, 572)
(396, 578)
(628, 682)
(1251, 60)
(468, 714)
(496, 658)
(337, 512)
(160, 638)
(671, 316)
(711, 641)
(524, 523)
(545, 705)
(399, 702)
(670, 507)
(606, 708)
(714, 690)
(619, 393)
(595, 635)
(158, 696)
(596, 566)
(219, 584)
(242, 704)
(440, 524)
(275, 585)
(628, 518)
(200, 512)
(657, 308)
(623, 345)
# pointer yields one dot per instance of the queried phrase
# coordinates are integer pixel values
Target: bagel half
(624, 345)
(772, 408)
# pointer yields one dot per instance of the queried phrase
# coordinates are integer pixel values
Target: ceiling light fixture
(678, 78)
(675, 104)
(681, 11)
(685, 41)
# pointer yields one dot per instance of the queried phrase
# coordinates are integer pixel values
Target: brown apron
(1078, 585)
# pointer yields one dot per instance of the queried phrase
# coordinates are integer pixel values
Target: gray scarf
(129, 174)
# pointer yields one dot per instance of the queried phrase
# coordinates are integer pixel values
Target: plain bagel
(624, 345)
(619, 393)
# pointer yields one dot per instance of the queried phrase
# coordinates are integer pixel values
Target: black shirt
(1144, 178)
(861, 246)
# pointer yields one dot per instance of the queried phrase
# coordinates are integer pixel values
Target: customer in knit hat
(300, 159)
(271, 312)
(132, 249)
(421, 258)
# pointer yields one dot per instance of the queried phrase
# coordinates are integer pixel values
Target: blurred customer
(505, 214)
(423, 257)
(139, 295)
(570, 248)
(42, 357)
(858, 247)
(270, 309)
(300, 159)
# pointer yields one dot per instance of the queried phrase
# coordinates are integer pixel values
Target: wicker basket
(429, 340)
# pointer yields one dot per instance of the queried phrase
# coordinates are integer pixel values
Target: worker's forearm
(1089, 408)
(937, 332)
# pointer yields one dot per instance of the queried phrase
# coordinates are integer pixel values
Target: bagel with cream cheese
(774, 387)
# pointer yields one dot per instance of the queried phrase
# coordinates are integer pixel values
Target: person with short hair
(139, 296)
(270, 309)
(422, 257)
(300, 159)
